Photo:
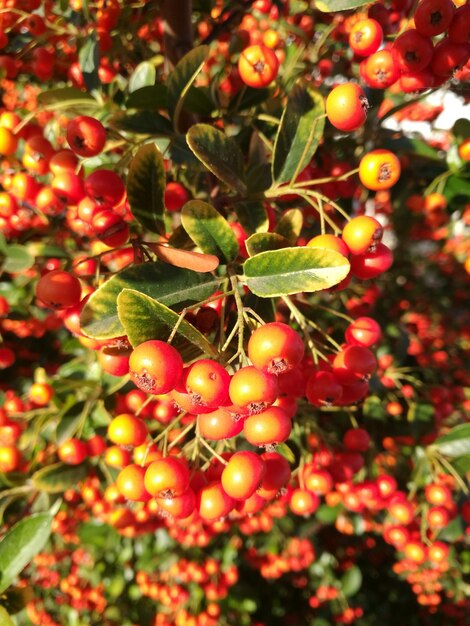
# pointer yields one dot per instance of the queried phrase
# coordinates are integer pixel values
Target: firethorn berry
(68, 187)
(363, 331)
(459, 29)
(10, 458)
(346, 107)
(303, 502)
(258, 66)
(362, 234)
(372, 264)
(59, 289)
(275, 348)
(110, 228)
(464, 150)
(213, 502)
(86, 136)
(417, 81)
(276, 475)
(413, 51)
(415, 551)
(179, 507)
(356, 440)
(127, 430)
(175, 196)
(105, 187)
(437, 494)
(329, 242)
(243, 474)
(41, 393)
(220, 424)
(167, 477)
(379, 169)
(115, 456)
(155, 367)
(96, 445)
(267, 428)
(317, 480)
(380, 70)
(449, 57)
(130, 482)
(323, 389)
(253, 389)
(8, 142)
(114, 363)
(73, 451)
(352, 363)
(433, 17)
(365, 37)
(207, 382)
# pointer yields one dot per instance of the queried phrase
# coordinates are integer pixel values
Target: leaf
(141, 122)
(351, 581)
(172, 286)
(261, 242)
(17, 259)
(252, 216)
(456, 442)
(146, 188)
(299, 133)
(331, 6)
(328, 514)
(150, 97)
(89, 60)
(219, 153)
(65, 94)
(23, 541)
(143, 76)
(457, 187)
(5, 619)
(290, 225)
(189, 259)
(461, 129)
(250, 98)
(198, 100)
(145, 318)
(69, 421)
(294, 270)
(59, 477)
(181, 79)
(209, 230)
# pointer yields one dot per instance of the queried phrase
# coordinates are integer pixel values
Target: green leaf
(145, 318)
(146, 188)
(351, 581)
(59, 477)
(23, 541)
(70, 421)
(5, 619)
(250, 98)
(456, 442)
(453, 532)
(299, 133)
(209, 230)
(89, 60)
(219, 153)
(173, 286)
(328, 514)
(65, 94)
(290, 225)
(18, 259)
(141, 122)
(143, 76)
(181, 79)
(461, 129)
(261, 242)
(294, 270)
(331, 6)
(151, 97)
(252, 216)
(457, 187)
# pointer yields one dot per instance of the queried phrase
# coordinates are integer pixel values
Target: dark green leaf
(199, 101)
(18, 259)
(143, 76)
(65, 94)
(181, 79)
(70, 421)
(454, 531)
(250, 98)
(219, 153)
(261, 242)
(209, 230)
(21, 543)
(290, 225)
(412, 146)
(258, 178)
(351, 581)
(152, 97)
(14, 601)
(294, 270)
(143, 122)
(59, 477)
(299, 133)
(252, 216)
(146, 188)
(456, 442)
(331, 6)
(461, 129)
(89, 60)
(457, 187)
(172, 286)
(144, 318)
(461, 464)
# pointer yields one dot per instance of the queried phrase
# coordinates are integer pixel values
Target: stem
(240, 313)
(212, 451)
(182, 434)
